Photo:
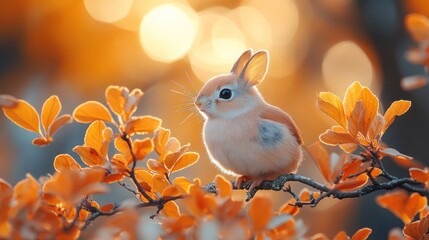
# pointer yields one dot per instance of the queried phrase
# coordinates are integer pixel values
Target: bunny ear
(241, 61)
(255, 69)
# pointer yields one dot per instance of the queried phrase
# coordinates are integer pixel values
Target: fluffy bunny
(243, 134)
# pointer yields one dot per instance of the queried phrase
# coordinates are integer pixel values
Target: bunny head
(235, 93)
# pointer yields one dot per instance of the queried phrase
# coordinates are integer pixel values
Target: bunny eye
(225, 93)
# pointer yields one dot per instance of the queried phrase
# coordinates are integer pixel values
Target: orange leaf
(90, 111)
(418, 26)
(370, 103)
(89, 156)
(319, 236)
(171, 209)
(183, 184)
(260, 212)
(352, 183)
(332, 106)
(341, 236)
(376, 127)
(396, 234)
(113, 177)
(132, 100)
(180, 224)
(397, 108)
(58, 123)
(142, 125)
(156, 165)
(145, 178)
(362, 234)
(417, 229)
(26, 192)
(8, 101)
(65, 161)
(334, 138)
(115, 99)
(402, 205)
(321, 157)
(420, 175)
(160, 182)
(414, 82)
(355, 121)
(50, 110)
(142, 148)
(351, 97)
(224, 187)
(161, 139)
(94, 135)
(170, 191)
(23, 115)
(41, 141)
(185, 161)
(375, 172)
(289, 209)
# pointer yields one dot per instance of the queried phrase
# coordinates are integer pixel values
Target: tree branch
(278, 185)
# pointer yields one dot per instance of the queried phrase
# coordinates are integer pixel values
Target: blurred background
(76, 48)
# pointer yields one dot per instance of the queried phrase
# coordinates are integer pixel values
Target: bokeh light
(344, 63)
(168, 31)
(108, 11)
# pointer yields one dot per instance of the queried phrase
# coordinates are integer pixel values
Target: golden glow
(167, 32)
(255, 27)
(219, 44)
(344, 63)
(108, 10)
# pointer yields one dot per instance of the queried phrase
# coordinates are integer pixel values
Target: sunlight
(168, 31)
(344, 63)
(108, 10)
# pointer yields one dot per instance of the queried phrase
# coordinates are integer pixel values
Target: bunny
(243, 134)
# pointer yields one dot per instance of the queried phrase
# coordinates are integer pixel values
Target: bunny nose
(198, 104)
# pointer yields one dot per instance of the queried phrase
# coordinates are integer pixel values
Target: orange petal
(171, 209)
(142, 148)
(397, 108)
(334, 138)
(418, 26)
(89, 156)
(260, 212)
(420, 175)
(23, 115)
(362, 234)
(94, 135)
(58, 123)
(115, 99)
(370, 103)
(50, 110)
(65, 161)
(352, 183)
(341, 236)
(90, 111)
(332, 106)
(413, 82)
(8, 101)
(351, 97)
(142, 125)
(224, 187)
(185, 161)
(321, 158)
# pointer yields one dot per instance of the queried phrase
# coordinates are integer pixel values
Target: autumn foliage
(141, 156)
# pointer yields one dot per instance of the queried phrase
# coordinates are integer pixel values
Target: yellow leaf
(142, 125)
(8, 101)
(65, 161)
(94, 135)
(23, 115)
(185, 161)
(351, 97)
(260, 212)
(115, 99)
(89, 156)
(142, 148)
(90, 111)
(224, 187)
(334, 138)
(397, 108)
(370, 103)
(332, 106)
(58, 123)
(50, 110)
